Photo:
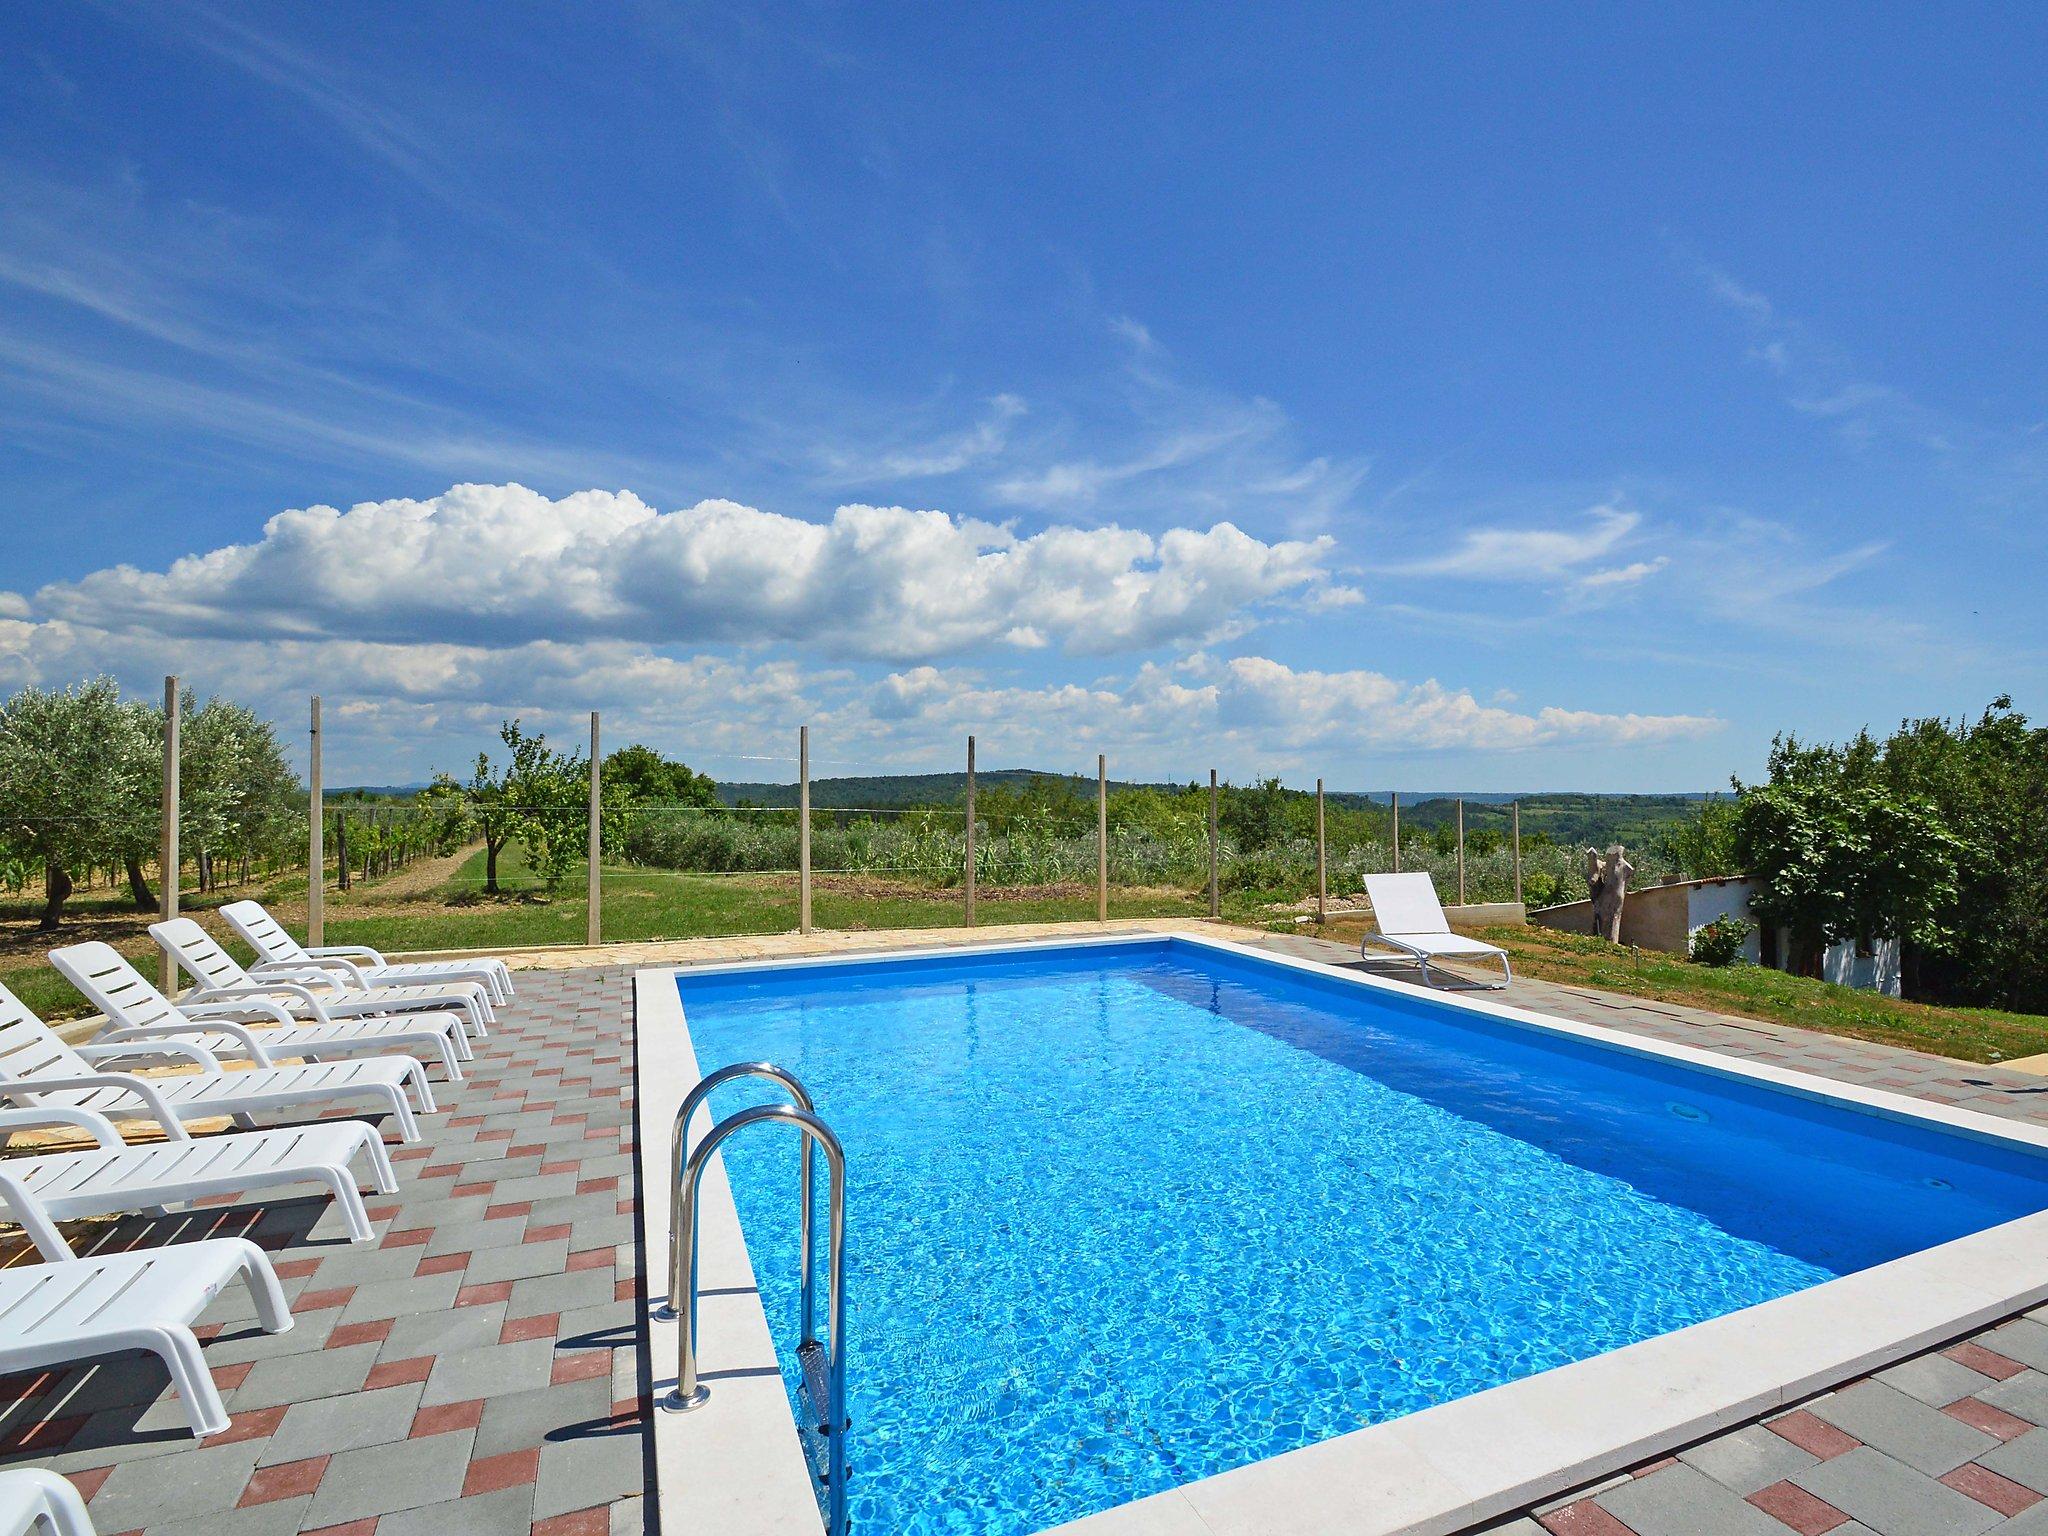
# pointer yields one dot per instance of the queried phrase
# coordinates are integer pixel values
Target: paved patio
(475, 1371)
(479, 1369)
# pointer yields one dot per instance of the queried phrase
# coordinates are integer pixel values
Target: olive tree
(73, 768)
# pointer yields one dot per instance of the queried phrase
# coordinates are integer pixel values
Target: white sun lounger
(358, 964)
(37, 1068)
(1412, 924)
(68, 1310)
(114, 1177)
(34, 1499)
(217, 976)
(136, 1010)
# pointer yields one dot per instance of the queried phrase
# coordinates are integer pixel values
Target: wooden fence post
(168, 901)
(1515, 813)
(1322, 863)
(1395, 795)
(1102, 837)
(1215, 897)
(594, 922)
(316, 851)
(970, 831)
(803, 836)
(1461, 852)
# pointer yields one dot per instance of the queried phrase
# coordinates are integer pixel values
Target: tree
(1255, 816)
(642, 776)
(1839, 854)
(539, 797)
(70, 776)
(1705, 846)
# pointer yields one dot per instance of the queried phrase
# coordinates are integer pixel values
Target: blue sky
(1588, 396)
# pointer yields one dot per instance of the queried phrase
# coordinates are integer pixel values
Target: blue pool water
(1120, 1217)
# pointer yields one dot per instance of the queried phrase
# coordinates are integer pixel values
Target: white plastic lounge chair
(70, 1309)
(216, 975)
(115, 1177)
(33, 1499)
(37, 1068)
(358, 964)
(135, 1010)
(1412, 923)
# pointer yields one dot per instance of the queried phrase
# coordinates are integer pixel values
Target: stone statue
(1607, 884)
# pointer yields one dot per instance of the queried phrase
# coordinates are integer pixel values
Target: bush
(1720, 942)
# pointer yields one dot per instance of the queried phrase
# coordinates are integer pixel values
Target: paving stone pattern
(475, 1371)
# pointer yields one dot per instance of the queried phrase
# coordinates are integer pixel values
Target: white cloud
(1529, 554)
(500, 564)
(1623, 575)
(946, 455)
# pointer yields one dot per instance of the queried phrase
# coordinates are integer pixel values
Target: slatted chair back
(264, 933)
(197, 953)
(30, 1049)
(127, 997)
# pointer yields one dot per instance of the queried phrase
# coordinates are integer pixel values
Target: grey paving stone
(520, 1262)
(2023, 1340)
(197, 1481)
(443, 1333)
(508, 1512)
(402, 1298)
(519, 1421)
(1891, 1498)
(629, 1518)
(367, 1265)
(2024, 1460)
(301, 1378)
(1935, 1379)
(560, 1293)
(2025, 1395)
(474, 1237)
(581, 1471)
(277, 1517)
(1924, 1438)
(384, 1479)
(538, 1186)
(489, 1371)
(332, 1424)
(1682, 1501)
(1750, 1458)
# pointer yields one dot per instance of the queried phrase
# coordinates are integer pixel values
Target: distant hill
(1564, 817)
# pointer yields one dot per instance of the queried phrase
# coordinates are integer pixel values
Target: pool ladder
(823, 1365)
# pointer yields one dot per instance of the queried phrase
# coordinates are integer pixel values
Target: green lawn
(1757, 992)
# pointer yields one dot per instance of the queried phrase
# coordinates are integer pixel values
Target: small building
(1666, 916)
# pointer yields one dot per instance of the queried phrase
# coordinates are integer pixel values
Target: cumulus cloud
(500, 564)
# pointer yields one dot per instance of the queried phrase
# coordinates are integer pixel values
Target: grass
(442, 906)
(1757, 992)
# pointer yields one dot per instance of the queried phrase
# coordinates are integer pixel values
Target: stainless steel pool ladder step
(823, 1365)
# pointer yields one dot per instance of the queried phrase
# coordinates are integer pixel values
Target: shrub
(1720, 942)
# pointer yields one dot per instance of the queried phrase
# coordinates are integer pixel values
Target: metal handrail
(691, 1392)
(678, 1144)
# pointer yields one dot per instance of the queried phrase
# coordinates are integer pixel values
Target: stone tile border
(1439, 1471)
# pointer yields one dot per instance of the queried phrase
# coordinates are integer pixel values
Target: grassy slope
(1755, 992)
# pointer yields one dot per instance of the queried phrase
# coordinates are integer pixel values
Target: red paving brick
(546, 1234)
(592, 1258)
(1987, 1417)
(487, 1474)
(1792, 1505)
(395, 1372)
(1978, 1358)
(1811, 1434)
(583, 1365)
(1987, 1487)
(288, 1480)
(360, 1333)
(588, 1522)
(540, 1326)
(445, 1263)
(484, 1295)
(320, 1301)
(353, 1528)
(443, 1417)
(1583, 1518)
(257, 1424)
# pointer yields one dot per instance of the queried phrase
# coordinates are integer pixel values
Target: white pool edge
(1431, 1473)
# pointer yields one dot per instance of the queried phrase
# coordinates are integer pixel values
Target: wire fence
(478, 867)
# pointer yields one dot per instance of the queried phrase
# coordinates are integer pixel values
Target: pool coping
(1430, 1473)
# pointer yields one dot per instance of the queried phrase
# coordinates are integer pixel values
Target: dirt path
(423, 875)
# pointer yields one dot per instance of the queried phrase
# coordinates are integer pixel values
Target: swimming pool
(1126, 1216)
